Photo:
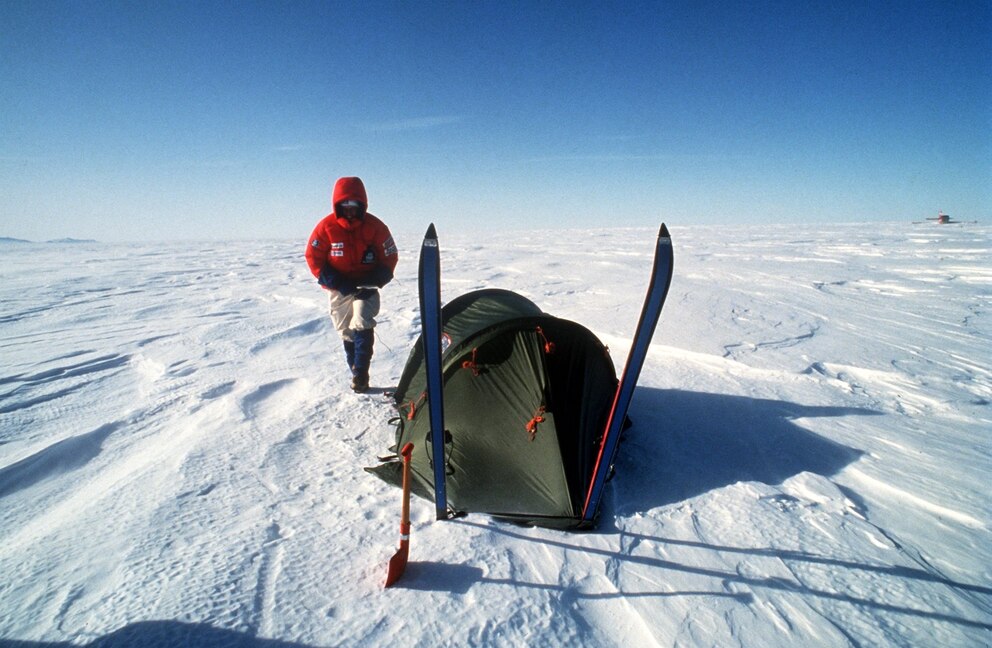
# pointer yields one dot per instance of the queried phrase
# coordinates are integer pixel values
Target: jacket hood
(350, 189)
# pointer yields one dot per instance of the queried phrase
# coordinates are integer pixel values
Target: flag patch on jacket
(389, 246)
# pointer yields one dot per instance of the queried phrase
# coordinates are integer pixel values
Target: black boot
(364, 341)
(360, 382)
(349, 353)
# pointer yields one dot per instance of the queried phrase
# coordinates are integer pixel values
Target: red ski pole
(397, 564)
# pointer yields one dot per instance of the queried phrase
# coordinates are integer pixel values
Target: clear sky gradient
(191, 120)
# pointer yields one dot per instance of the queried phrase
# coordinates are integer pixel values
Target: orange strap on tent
(549, 347)
(413, 406)
(471, 364)
(532, 424)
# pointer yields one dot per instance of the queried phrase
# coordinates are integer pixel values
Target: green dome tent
(526, 398)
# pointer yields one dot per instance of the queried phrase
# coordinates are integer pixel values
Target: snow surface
(181, 460)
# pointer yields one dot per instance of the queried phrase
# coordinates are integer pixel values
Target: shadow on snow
(164, 634)
(432, 576)
(687, 443)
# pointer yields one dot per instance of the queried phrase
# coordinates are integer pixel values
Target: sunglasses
(351, 208)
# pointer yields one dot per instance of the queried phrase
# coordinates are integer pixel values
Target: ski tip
(663, 232)
(431, 232)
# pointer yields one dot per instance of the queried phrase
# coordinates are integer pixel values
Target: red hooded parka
(358, 249)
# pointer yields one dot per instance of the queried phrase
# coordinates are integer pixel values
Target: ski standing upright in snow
(429, 284)
(661, 280)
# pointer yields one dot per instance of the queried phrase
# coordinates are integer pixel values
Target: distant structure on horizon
(944, 219)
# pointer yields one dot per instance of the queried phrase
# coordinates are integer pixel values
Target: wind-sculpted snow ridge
(181, 457)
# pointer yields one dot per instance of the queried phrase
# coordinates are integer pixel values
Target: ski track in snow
(181, 459)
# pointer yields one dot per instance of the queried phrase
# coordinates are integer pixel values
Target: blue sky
(191, 120)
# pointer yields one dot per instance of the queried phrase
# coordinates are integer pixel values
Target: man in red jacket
(352, 255)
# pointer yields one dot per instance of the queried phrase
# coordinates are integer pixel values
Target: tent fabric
(526, 398)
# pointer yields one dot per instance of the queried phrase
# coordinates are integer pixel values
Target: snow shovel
(397, 564)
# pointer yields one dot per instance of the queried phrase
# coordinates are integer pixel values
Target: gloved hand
(345, 286)
(335, 281)
(380, 276)
(327, 277)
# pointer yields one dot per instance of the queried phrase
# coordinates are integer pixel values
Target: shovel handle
(397, 564)
(406, 452)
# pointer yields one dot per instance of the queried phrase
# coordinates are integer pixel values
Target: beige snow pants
(350, 314)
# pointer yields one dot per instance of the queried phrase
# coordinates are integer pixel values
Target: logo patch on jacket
(368, 257)
(315, 243)
(337, 249)
(389, 246)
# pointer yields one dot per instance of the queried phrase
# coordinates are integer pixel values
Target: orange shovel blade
(397, 564)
